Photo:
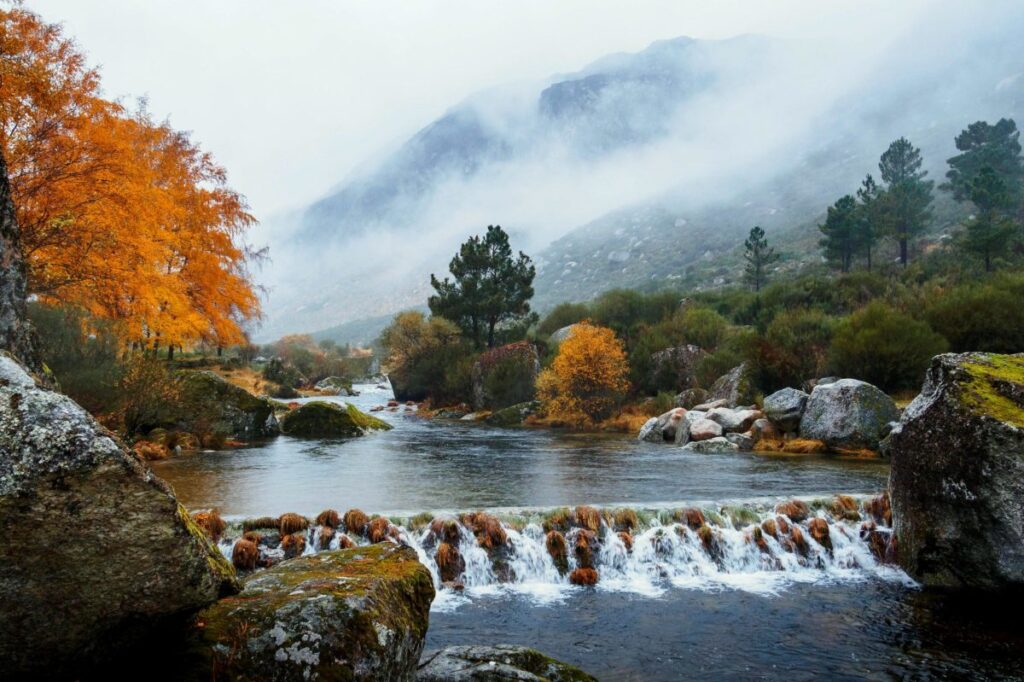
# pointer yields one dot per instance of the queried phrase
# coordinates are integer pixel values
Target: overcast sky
(291, 96)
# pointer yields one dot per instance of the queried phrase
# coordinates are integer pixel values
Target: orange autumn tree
(588, 378)
(122, 216)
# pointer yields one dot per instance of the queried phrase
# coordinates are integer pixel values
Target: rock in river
(785, 408)
(320, 418)
(348, 614)
(209, 403)
(95, 551)
(717, 445)
(957, 481)
(848, 413)
(495, 664)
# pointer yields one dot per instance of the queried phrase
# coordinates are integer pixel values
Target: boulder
(495, 664)
(320, 418)
(741, 441)
(505, 376)
(336, 386)
(95, 550)
(513, 415)
(847, 414)
(736, 387)
(209, 404)
(711, 404)
(763, 429)
(710, 446)
(785, 408)
(560, 335)
(690, 398)
(651, 432)
(666, 427)
(357, 613)
(676, 368)
(734, 420)
(703, 429)
(957, 478)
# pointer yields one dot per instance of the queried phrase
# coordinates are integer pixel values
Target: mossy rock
(208, 404)
(358, 613)
(320, 418)
(514, 415)
(496, 663)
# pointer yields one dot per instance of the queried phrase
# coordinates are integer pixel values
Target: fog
(303, 102)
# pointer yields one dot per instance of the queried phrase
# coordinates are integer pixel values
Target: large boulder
(560, 335)
(734, 421)
(669, 426)
(785, 408)
(735, 387)
(957, 481)
(847, 414)
(320, 418)
(703, 429)
(208, 404)
(336, 386)
(691, 397)
(514, 415)
(95, 550)
(349, 614)
(505, 376)
(676, 368)
(712, 446)
(495, 664)
(16, 334)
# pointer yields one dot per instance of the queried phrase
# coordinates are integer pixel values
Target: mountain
(642, 169)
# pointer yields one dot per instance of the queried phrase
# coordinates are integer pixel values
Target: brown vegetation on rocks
(588, 517)
(627, 540)
(583, 576)
(378, 529)
(880, 509)
(328, 517)
(845, 507)
(818, 528)
(450, 563)
(769, 526)
(445, 529)
(244, 555)
(291, 523)
(692, 517)
(625, 519)
(796, 510)
(583, 548)
(252, 536)
(345, 542)
(325, 536)
(555, 543)
(293, 545)
(211, 523)
(488, 529)
(260, 522)
(356, 521)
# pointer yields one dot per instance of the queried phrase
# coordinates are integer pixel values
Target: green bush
(508, 375)
(987, 317)
(884, 347)
(793, 348)
(703, 327)
(562, 315)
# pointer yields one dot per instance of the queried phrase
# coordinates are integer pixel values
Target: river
(661, 610)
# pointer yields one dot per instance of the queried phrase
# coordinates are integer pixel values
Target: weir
(547, 554)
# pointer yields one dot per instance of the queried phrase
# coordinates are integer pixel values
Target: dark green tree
(908, 194)
(983, 145)
(990, 231)
(488, 286)
(870, 216)
(841, 231)
(758, 256)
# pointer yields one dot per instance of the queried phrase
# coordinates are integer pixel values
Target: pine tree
(989, 232)
(996, 147)
(870, 216)
(841, 232)
(908, 194)
(758, 256)
(489, 286)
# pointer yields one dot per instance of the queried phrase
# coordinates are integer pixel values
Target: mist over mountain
(642, 169)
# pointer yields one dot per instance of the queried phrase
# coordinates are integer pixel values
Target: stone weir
(755, 545)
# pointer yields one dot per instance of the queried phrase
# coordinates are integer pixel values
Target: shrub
(703, 327)
(986, 317)
(507, 374)
(148, 391)
(426, 358)
(884, 347)
(588, 378)
(792, 349)
(562, 315)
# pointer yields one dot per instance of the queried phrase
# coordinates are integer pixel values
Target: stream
(671, 606)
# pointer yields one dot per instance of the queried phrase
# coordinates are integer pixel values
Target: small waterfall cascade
(548, 554)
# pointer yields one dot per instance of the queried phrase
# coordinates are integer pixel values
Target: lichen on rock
(496, 663)
(326, 419)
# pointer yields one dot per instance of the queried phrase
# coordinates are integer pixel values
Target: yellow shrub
(588, 378)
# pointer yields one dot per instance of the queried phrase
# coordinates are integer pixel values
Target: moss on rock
(322, 418)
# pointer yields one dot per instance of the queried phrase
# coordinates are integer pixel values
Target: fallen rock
(785, 408)
(711, 446)
(847, 413)
(703, 429)
(495, 664)
(734, 420)
(735, 387)
(320, 418)
(957, 479)
(690, 398)
(357, 613)
(96, 551)
(650, 432)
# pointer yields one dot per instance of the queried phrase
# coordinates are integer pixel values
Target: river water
(664, 609)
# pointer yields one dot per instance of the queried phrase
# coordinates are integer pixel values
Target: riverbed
(665, 614)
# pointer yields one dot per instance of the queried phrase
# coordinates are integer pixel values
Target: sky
(292, 97)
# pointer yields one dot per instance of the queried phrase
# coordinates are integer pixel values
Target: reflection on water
(423, 465)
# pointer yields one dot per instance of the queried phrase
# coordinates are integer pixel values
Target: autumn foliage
(120, 215)
(588, 378)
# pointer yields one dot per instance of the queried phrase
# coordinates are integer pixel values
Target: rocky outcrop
(785, 408)
(847, 414)
(207, 404)
(95, 550)
(358, 613)
(505, 376)
(319, 419)
(16, 335)
(676, 368)
(495, 664)
(735, 388)
(957, 481)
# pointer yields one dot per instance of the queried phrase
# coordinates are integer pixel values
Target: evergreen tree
(908, 194)
(489, 286)
(758, 256)
(870, 216)
(989, 232)
(996, 147)
(841, 232)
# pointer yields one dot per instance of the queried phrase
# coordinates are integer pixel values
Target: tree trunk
(220, 351)
(490, 333)
(869, 259)
(903, 252)
(16, 333)
(170, 352)
(988, 261)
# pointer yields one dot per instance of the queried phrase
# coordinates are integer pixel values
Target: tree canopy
(908, 193)
(758, 256)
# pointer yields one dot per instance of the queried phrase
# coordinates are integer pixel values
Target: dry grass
(328, 517)
(244, 555)
(260, 522)
(378, 529)
(449, 562)
(583, 548)
(625, 519)
(150, 451)
(325, 536)
(293, 545)
(557, 520)
(880, 508)
(292, 523)
(583, 576)
(845, 507)
(211, 523)
(356, 521)
(446, 529)
(858, 453)
(345, 542)
(795, 446)
(488, 530)
(627, 540)
(588, 517)
(244, 377)
(796, 510)
(818, 528)
(707, 537)
(692, 517)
